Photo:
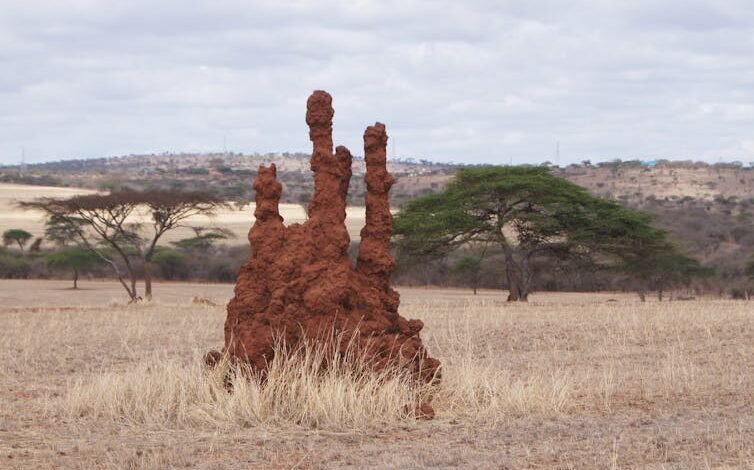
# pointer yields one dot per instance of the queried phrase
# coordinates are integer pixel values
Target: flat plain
(565, 381)
(236, 221)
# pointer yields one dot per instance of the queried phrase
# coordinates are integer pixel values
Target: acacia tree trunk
(513, 278)
(517, 292)
(131, 273)
(132, 278)
(148, 279)
(75, 278)
(134, 295)
(525, 283)
(132, 291)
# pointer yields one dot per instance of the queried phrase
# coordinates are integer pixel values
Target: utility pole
(23, 162)
(557, 154)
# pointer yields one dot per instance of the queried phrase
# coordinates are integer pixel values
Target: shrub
(13, 265)
(172, 264)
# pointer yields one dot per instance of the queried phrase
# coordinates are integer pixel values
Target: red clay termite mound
(299, 282)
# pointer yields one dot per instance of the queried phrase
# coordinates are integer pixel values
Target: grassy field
(567, 381)
(33, 222)
(237, 221)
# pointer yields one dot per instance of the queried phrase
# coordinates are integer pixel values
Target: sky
(468, 82)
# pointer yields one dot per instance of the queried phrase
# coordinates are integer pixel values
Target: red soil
(299, 282)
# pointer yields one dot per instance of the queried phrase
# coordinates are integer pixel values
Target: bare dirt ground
(567, 381)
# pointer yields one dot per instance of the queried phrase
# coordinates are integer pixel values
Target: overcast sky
(473, 81)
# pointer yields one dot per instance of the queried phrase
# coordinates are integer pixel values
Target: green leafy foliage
(466, 265)
(63, 231)
(468, 269)
(535, 207)
(95, 219)
(203, 239)
(172, 264)
(16, 235)
(530, 214)
(13, 265)
(73, 258)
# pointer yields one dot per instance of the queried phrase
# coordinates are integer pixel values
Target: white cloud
(481, 81)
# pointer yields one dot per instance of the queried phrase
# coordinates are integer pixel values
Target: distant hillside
(709, 209)
(633, 181)
(228, 174)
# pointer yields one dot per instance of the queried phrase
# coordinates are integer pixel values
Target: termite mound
(299, 283)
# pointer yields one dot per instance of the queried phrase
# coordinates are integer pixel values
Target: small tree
(96, 220)
(469, 269)
(676, 269)
(654, 262)
(203, 239)
(172, 265)
(16, 235)
(14, 265)
(665, 269)
(77, 259)
(169, 210)
(115, 220)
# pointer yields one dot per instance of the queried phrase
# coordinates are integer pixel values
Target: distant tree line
(187, 260)
(522, 229)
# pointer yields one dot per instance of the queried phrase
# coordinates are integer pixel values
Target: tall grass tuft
(297, 390)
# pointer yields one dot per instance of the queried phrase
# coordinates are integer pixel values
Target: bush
(172, 264)
(13, 265)
(738, 293)
(223, 272)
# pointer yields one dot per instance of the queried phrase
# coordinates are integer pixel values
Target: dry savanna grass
(237, 221)
(568, 381)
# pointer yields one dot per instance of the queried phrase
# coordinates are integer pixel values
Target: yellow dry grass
(232, 219)
(33, 222)
(568, 381)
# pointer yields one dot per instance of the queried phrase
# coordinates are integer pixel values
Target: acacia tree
(169, 210)
(16, 235)
(63, 232)
(469, 269)
(97, 222)
(660, 266)
(120, 222)
(75, 258)
(528, 213)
